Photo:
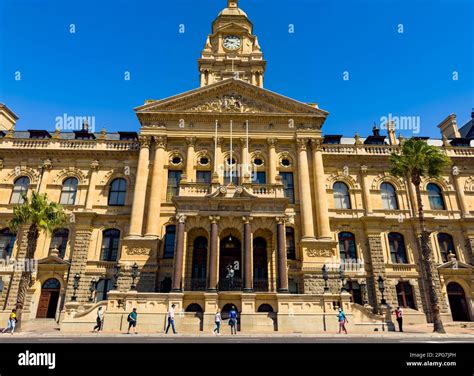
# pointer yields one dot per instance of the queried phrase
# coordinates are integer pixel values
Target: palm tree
(417, 159)
(40, 215)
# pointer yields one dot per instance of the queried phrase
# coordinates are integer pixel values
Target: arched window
(68, 192)
(342, 199)
(194, 307)
(260, 265)
(398, 251)
(265, 308)
(435, 197)
(59, 241)
(170, 237)
(290, 243)
(405, 295)
(389, 196)
(199, 264)
(110, 245)
(52, 284)
(7, 241)
(117, 192)
(19, 189)
(347, 246)
(446, 246)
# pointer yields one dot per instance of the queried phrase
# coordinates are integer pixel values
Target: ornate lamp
(325, 277)
(134, 276)
(381, 284)
(75, 286)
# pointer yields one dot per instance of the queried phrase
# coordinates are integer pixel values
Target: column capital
(247, 219)
(272, 142)
(302, 143)
(214, 218)
(95, 165)
(285, 219)
(160, 142)
(364, 170)
(220, 141)
(191, 141)
(180, 218)
(317, 144)
(145, 142)
(46, 164)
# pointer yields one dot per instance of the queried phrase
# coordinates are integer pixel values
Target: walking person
(171, 319)
(100, 320)
(132, 321)
(11, 323)
(218, 320)
(233, 320)
(399, 315)
(342, 321)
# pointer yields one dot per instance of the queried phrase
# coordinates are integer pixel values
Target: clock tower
(232, 51)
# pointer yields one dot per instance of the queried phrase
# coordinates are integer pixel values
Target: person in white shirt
(218, 320)
(100, 320)
(171, 319)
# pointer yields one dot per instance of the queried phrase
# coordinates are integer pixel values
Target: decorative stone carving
(319, 252)
(302, 143)
(138, 251)
(145, 141)
(70, 172)
(231, 103)
(160, 142)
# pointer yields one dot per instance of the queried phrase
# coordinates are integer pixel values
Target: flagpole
(247, 157)
(215, 148)
(230, 161)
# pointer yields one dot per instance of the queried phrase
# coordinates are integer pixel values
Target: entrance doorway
(198, 274)
(48, 302)
(457, 302)
(260, 265)
(230, 264)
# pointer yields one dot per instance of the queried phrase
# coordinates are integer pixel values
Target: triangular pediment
(51, 259)
(455, 264)
(231, 96)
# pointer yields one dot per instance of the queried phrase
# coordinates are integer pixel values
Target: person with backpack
(233, 321)
(132, 321)
(11, 323)
(342, 321)
(218, 320)
(100, 320)
(399, 316)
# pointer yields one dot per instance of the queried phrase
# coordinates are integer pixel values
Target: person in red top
(399, 315)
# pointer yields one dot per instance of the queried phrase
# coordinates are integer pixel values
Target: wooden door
(43, 304)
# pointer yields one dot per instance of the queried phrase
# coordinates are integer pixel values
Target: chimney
(449, 127)
(7, 118)
(85, 126)
(376, 131)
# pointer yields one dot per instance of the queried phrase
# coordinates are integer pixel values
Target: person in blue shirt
(341, 317)
(132, 321)
(233, 320)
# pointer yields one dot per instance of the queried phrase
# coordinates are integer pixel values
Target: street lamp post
(75, 286)
(134, 276)
(325, 277)
(116, 275)
(363, 290)
(381, 284)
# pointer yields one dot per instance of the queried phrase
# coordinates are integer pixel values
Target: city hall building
(231, 194)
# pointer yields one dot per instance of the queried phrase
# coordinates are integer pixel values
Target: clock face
(232, 42)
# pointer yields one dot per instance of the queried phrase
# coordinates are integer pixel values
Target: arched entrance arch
(230, 263)
(48, 302)
(458, 302)
(199, 264)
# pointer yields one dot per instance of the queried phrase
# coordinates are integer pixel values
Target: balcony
(260, 285)
(192, 189)
(268, 190)
(195, 284)
(230, 284)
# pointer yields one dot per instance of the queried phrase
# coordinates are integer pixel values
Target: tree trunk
(25, 280)
(427, 262)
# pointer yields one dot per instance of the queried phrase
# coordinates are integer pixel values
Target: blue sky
(82, 74)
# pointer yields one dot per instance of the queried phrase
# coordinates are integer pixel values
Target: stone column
(282, 262)
(213, 254)
(365, 190)
(460, 194)
(190, 171)
(245, 161)
(272, 160)
(248, 275)
(179, 254)
(306, 206)
(46, 167)
(93, 177)
(154, 207)
(322, 212)
(139, 195)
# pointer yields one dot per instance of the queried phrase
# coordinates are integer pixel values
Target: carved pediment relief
(231, 103)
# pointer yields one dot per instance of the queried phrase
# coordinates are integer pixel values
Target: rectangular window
(170, 237)
(203, 177)
(103, 287)
(288, 184)
(173, 184)
(260, 178)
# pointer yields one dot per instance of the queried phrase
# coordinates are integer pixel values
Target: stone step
(40, 325)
